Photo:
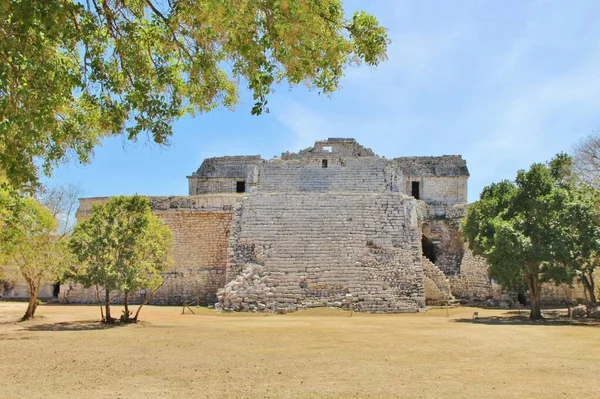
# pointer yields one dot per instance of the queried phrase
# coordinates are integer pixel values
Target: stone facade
(332, 225)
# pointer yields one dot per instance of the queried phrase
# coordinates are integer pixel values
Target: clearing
(65, 352)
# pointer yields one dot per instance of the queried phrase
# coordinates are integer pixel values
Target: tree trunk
(587, 279)
(99, 303)
(148, 299)
(31, 306)
(534, 288)
(126, 306)
(109, 319)
(33, 288)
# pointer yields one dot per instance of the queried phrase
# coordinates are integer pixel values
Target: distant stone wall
(473, 286)
(445, 189)
(221, 175)
(16, 289)
(308, 175)
(201, 228)
(297, 250)
(559, 295)
(217, 202)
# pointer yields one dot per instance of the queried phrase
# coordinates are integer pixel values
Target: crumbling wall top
(229, 166)
(346, 147)
(445, 165)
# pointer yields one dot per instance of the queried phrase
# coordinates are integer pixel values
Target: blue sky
(504, 84)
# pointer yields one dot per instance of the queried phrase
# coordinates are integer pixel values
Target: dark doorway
(522, 298)
(56, 290)
(240, 187)
(428, 248)
(324, 163)
(415, 189)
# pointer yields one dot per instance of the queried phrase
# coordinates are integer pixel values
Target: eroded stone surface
(332, 225)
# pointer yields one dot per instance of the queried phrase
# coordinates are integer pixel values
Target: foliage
(122, 247)
(536, 229)
(29, 244)
(74, 72)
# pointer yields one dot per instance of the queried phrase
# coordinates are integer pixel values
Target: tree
(29, 244)
(73, 72)
(122, 247)
(586, 166)
(61, 201)
(533, 230)
(586, 160)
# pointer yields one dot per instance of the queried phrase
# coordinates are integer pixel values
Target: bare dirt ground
(65, 352)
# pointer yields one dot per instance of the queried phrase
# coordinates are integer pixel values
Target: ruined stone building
(332, 225)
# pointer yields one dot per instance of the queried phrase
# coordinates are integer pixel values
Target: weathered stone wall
(221, 174)
(217, 202)
(437, 286)
(441, 179)
(445, 165)
(447, 242)
(16, 289)
(308, 175)
(293, 250)
(201, 227)
(213, 185)
(344, 147)
(451, 190)
(473, 285)
(559, 295)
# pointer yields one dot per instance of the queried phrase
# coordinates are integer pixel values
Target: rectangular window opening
(415, 189)
(327, 148)
(240, 187)
(324, 163)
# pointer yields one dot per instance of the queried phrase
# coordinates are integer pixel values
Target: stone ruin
(332, 225)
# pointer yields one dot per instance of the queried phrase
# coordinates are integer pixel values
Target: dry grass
(317, 353)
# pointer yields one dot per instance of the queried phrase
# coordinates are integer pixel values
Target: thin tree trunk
(33, 288)
(32, 305)
(109, 319)
(534, 288)
(99, 303)
(126, 305)
(587, 280)
(567, 301)
(148, 299)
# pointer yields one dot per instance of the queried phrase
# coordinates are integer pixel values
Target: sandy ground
(65, 352)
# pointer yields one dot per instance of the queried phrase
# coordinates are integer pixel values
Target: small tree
(122, 247)
(586, 165)
(586, 160)
(61, 201)
(29, 244)
(533, 230)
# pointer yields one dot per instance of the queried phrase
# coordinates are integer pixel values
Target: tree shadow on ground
(79, 325)
(523, 320)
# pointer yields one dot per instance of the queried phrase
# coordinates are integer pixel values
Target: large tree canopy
(72, 72)
(540, 228)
